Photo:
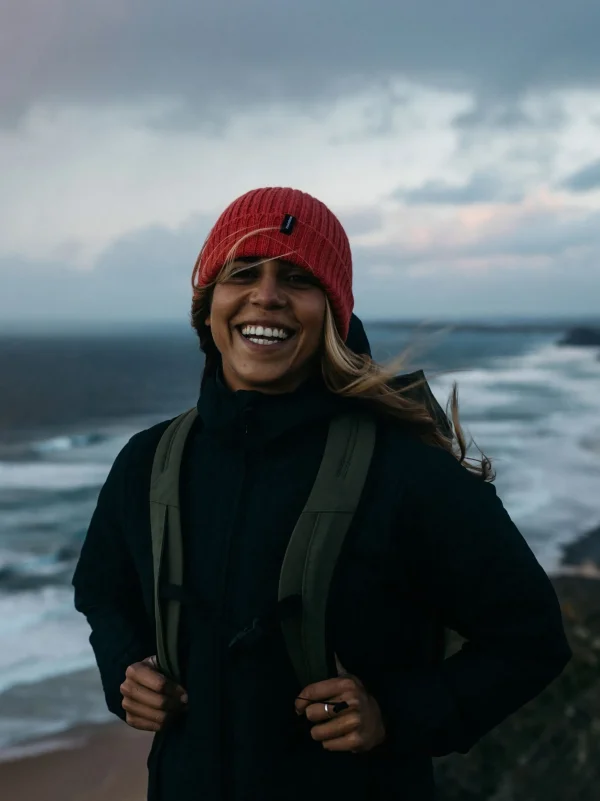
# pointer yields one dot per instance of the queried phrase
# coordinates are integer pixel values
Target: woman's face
(267, 322)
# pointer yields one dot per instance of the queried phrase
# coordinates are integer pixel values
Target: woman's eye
(300, 278)
(246, 274)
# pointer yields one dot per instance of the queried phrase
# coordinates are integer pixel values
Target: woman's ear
(207, 321)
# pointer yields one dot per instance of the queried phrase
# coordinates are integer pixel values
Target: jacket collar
(252, 417)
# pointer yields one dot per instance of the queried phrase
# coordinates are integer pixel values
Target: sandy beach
(94, 763)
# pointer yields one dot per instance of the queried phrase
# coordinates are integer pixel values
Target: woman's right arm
(108, 592)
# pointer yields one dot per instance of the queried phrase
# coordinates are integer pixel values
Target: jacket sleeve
(485, 584)
(107, 590)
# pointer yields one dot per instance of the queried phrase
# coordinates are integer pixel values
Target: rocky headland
(550, 750)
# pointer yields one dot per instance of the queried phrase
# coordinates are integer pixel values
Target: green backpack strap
(165, 525)
(317, 540)
(311, 555)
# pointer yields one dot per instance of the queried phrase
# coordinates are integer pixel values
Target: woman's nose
(268, 292)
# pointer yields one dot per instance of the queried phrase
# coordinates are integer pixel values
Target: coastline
(583, 552)
(97, 762)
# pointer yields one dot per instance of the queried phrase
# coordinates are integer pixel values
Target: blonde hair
(355, 376)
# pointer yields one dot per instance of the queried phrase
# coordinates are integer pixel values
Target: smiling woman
(259, 693)
(266, 320)
(250, 281)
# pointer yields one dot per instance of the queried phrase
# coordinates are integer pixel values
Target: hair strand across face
(354, 376)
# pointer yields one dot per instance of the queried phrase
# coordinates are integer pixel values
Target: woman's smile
(266, 320)
(267, 337)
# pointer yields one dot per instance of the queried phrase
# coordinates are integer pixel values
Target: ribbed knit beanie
(302, 231)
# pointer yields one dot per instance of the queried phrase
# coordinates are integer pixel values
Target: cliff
(550, 750)
(582, 337)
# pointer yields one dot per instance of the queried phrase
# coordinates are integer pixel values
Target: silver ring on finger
(328, 711)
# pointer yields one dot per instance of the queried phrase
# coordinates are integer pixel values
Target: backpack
(312, 551)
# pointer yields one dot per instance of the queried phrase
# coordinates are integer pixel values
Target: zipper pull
(248, 412)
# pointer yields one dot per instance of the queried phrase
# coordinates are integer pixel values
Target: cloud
(494, 113)
(586, 179)
(143, 275)
(126, 127)
(89, 176)
(558, 290)
(212, 58)
(360, 221)
(481, 188)
(536, 257)
(539, 232)
(146, 274)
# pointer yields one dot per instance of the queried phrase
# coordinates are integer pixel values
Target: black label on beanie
(287, 226)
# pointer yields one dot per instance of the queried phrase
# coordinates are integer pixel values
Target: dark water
(58, 383)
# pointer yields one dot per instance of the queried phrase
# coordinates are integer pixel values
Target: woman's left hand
(358, 728)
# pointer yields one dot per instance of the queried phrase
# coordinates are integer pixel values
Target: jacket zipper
(225, 789)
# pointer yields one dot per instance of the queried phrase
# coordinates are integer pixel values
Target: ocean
(69, 403)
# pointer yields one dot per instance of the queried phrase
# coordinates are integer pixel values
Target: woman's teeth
(264, 336)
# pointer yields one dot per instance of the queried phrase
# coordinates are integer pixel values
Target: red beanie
(304, 232)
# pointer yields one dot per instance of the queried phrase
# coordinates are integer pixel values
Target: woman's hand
(358, 728)
(149, 698)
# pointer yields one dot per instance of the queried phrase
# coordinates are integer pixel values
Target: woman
(430, 546)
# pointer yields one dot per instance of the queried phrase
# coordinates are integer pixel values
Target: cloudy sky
(458, 141)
